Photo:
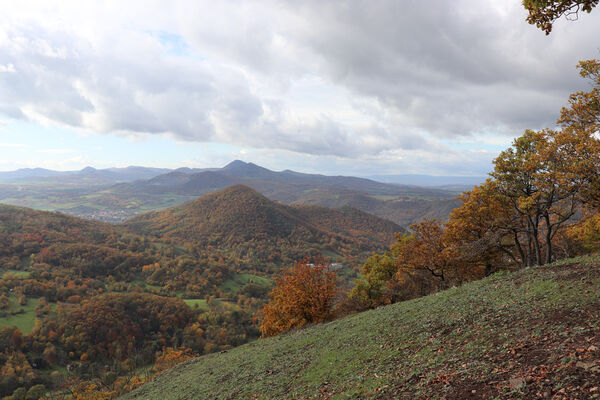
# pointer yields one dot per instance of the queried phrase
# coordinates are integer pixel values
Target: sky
(371, 87)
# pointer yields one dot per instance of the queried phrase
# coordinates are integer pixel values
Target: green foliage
(36, 392)
(370, 290)
(116, 326)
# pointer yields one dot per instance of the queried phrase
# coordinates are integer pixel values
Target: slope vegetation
(530, 334)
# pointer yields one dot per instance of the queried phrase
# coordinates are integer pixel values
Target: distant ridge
(106, 176)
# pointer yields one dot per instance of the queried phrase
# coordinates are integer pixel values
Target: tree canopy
(543, 13)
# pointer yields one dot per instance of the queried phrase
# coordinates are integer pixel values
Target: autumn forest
(199, 262)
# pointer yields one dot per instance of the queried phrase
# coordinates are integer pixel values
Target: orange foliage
(302, 295)
(170, 357)
(428, 250)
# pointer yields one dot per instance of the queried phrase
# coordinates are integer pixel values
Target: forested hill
(28, 236)
(528, 334)
(242, 220)
(237, 224)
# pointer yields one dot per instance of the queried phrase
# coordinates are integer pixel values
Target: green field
(238, 282)
(384, 196)
(141, 283)
(202, 304)
(25, 320)
(331, 255)
(14, 272)
(535, 332)
(216, 304)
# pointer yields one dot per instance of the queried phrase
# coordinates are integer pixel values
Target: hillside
(242, 220)
(534, 333)
(404, 210)
(195, 275)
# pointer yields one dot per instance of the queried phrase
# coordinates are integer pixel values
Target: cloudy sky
(342, 87)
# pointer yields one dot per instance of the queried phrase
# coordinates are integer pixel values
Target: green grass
(465, 342)
(202, 304)
(24, 321)
(384, 196)
(238, 282)
(216, 304)
(17, 273)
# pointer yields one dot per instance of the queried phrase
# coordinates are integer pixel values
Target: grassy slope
(520, 335)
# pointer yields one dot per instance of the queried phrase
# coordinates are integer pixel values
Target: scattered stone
(516, 383)
(587, 365)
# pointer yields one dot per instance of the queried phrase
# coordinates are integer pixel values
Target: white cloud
(7, 68)
(365, 80)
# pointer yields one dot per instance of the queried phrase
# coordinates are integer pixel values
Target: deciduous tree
(583, 111)
(483, 230)
(543, 175)
(302, 295)
(427, 250)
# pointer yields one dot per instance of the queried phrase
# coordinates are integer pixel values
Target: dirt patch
(562, 363)
(562, 273)
(470, 389)
(572, 272)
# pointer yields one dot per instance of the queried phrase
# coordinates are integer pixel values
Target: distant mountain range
(237, 168)
(88, 174)
(116, 194)
(282, 186)
(461, 183)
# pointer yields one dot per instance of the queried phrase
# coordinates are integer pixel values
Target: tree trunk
(519, 249)
(533, 229)
(548, 240)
